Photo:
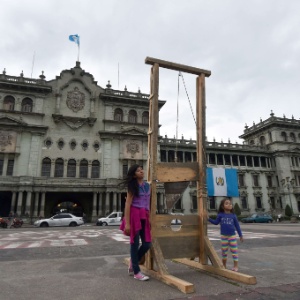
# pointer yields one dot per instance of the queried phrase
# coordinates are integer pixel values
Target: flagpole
(78, 52)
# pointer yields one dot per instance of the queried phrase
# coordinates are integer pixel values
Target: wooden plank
(176, 67)
(174, 172)
(179, 247)
(237, 276)
(184, 286)
(212, 254)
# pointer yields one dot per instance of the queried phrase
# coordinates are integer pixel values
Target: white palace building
(66, 143)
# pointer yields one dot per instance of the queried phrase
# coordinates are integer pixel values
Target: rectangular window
(212, 158)
(1, 165)
(272, 202)
(10, 167)
(256, 161)
(235, 161)
(220, 159)
(258, 202)
(244, 202)
(95, 172)
(125, 169)
(242, 161)
(269, 178)
(249, 161)
(263, 162)
(241, 180)
(227, 160)
(212, 203)
(255, 180)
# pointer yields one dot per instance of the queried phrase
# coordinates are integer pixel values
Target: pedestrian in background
(229, 226)
(136, 222)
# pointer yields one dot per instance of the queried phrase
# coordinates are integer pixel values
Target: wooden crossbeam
(176, 67)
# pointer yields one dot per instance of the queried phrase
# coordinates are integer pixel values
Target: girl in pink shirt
(136, 222)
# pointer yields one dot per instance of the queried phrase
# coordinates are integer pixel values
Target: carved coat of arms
(132, 148)
(75, 100)
(5, 140)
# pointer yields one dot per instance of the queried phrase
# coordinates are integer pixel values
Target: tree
(237, 209)
(288, 211)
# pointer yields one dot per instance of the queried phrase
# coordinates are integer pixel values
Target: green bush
(288, 211)
(237, 209)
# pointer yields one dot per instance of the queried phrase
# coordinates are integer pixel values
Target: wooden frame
(191, 240)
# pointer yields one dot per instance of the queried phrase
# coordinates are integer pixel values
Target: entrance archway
(72, 202)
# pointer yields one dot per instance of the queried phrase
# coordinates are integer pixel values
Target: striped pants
(229, 241)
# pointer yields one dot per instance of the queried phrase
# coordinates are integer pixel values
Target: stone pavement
(285, 291)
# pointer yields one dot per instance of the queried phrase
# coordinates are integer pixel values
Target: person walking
(229, 226)
(136, 222)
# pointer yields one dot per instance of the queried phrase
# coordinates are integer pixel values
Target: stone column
(5, 161)
(119, 201)
(94, 213)
(183, 156)
(89, 169)
(42, 209)
(28, 203)
(114, 201)
(77, 168)
(19, 204)
(52, 167)
(13, 202)
(65, 168)
(167, 155)
(100, 210)
(107, 206)
(36, 204)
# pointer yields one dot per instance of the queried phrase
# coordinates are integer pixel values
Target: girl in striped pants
(229, 226)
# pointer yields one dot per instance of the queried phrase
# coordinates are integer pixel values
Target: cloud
(252, 49)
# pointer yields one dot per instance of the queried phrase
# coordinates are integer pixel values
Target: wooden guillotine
(189, 245)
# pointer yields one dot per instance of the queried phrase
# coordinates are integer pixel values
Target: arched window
(83, 169)
(9, 103)
(71, 170)
(284, 136)
(46, 167)
(293, 137)
(27, 105)
(95, 169)
(262, 140)
(132, 117)
(145, 117)
(59, 168)
(118, 115)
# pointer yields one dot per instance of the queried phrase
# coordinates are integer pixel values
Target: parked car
(258, 218)
(115, 218)
(62, 219)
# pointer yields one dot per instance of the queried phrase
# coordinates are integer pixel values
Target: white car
(115, 218)
(63, 219)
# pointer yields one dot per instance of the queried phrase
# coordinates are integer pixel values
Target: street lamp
(288, 184)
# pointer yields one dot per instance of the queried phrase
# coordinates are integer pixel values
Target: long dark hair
(130, 182)
(221, 206)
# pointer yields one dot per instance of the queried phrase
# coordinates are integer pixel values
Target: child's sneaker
(130, 270)
(140, 276)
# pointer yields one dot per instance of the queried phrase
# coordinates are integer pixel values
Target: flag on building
(222, 182)
(74, 38)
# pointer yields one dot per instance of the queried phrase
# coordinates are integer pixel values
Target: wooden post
(201, 159)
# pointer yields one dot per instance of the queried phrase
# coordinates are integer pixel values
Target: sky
(252, 49)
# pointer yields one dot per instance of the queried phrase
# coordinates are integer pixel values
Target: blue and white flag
(222, 182)
(74, 38)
